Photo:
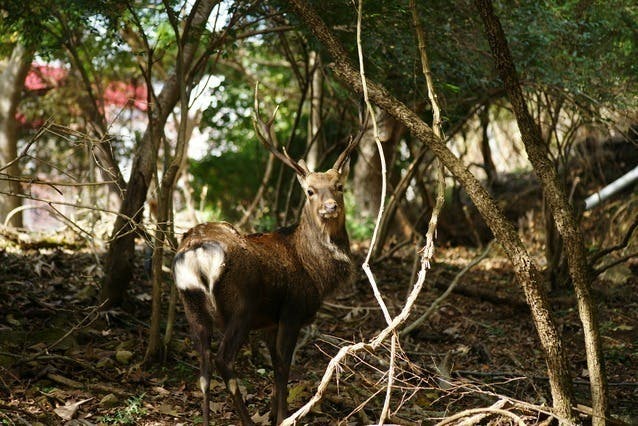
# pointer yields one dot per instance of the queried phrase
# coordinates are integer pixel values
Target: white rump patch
(195, 265)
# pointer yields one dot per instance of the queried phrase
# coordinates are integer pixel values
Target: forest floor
(62, 361)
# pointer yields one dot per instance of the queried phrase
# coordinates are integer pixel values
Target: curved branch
(624, 243)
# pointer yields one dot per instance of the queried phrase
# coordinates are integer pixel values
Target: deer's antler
(268, 138)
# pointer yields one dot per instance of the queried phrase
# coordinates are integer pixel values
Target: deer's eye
(340, 188)
(311, 192)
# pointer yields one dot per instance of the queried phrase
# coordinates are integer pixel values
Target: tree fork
(118, 268)
(527, 273)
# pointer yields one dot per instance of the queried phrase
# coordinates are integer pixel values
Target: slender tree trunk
(316, 145)
(14, 72)
(118, 269)
(486, 150)
(367, 171)
(101, 147)
(526, 270)
(558, 203)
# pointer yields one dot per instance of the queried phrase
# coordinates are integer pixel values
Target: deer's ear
(344, 170)
(302, 177)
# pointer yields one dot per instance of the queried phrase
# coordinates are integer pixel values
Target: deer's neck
(324, 250)
(328, 234)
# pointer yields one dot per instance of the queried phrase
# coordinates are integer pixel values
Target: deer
(274, 281)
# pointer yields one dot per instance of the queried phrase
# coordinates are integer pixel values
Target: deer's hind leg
(235, 334)
(198, 312)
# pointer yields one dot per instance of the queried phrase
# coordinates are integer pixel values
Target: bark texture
(558, 203)
(526, 271)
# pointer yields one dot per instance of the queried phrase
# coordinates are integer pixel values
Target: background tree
(562, 212)
(13, 71)
(119, 258)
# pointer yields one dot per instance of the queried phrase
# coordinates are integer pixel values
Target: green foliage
(586, 49)
(232, 179)
(582, 49)
(38, 23)
(128, 415)
(359, 229)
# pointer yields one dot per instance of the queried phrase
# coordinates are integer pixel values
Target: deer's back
(261, 275)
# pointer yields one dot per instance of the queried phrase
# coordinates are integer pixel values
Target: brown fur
(274, 281)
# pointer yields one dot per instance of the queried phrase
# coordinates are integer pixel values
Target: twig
(393, 250)
(619, 246)
(92, 386)
(80, 324)
(427, 253)
(388, 394)
(366, 263)
(601, 269)
(384, 184)
(494, 409)
(65, 381)
(25, 151)
(352, 349)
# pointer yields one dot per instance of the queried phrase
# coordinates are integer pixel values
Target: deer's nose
(330, 206)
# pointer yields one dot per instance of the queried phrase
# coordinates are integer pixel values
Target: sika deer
(274, 281)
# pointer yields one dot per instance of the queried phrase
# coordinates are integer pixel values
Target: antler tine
(345, 154)
(352, 144)
(268, 138)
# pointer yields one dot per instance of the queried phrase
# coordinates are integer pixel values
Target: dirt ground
(64, 362)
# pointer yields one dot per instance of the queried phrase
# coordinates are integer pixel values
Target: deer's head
(324, 194)
(323, 190)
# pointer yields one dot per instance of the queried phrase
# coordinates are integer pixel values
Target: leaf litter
(63, 360)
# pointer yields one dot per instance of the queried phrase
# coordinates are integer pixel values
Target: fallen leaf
(296, 392)
(160, 390)
(11, 320)
(624, 327)
(68, 411)
(261, 419)
(168, 409)
(216, 407)
(109, 401)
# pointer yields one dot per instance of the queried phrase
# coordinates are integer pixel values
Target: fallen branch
(90, 386)
(479, 414)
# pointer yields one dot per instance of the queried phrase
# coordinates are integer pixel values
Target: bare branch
(618, 261)
(604, 252)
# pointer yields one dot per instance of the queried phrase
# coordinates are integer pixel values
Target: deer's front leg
(281, 344)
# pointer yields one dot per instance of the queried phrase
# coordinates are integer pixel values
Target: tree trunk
(486, 150)
(526, 270)
(101, 148)
(316, 145)
(367, 171)
(14, 72)
(558, 203)
(118, 268)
